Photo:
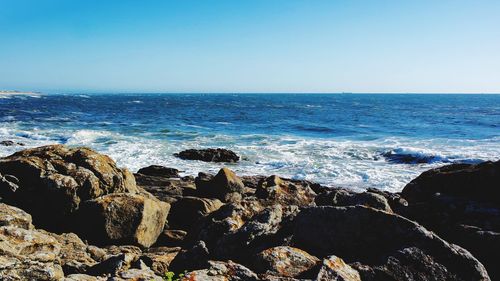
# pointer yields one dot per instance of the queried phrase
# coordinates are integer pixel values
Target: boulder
(343, 197)
(195, 257)
(461, 203)
(285, 192)
(372, 238)
(53, 181)
(218, 270)
(123, 218)
(187, 210)
(335, 269)
(83, 277)
(221, 186)
(209, 155)
(159, 171)
(284, 261)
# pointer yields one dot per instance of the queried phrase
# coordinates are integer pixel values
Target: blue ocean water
(352, 140)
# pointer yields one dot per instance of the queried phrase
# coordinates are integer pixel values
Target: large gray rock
(374, 238)
(123, 218)
(54, 180)
(188, 210)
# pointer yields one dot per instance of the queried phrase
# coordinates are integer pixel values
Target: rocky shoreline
(72, 214)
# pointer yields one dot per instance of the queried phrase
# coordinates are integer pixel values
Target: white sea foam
(354, 164)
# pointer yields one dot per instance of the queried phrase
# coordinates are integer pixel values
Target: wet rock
(221, 186)
(54, 180)
(284, 261)
(159, 171)
(10, 143)
(371, 237)
(123, 218)
(209, 155)
(285, 192)
(159, 259)
(335, 269)
(342, 197)
(219, 270)
(461, 203)
(12, 216)
(187, 210)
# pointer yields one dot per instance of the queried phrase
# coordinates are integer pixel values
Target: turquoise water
(349, 140)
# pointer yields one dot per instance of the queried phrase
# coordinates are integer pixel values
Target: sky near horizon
(250, 46)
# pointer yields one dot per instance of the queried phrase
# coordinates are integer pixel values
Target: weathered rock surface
(54, 180)
(187, 210)
(12, 216)
(461, 203)
(159, 259)
(284, 261)
(285, 192)
(374, 238)
(223, 271)
(171, 238)
(209, 155)
(335, 269)
(27, 254)
(343, 197)
(222, 186)
(123, 218)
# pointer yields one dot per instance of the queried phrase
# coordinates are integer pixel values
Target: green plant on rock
(171, 276)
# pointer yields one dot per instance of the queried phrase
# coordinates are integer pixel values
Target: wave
(356, 164)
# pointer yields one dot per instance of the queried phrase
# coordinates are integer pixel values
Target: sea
(356, 141)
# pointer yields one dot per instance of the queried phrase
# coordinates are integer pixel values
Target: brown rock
(335, 269)
(123, 218)
(54, 180)
(285, 192)
(187, 210)
(12, 216)
(284, 261)
(171, 238)
(218, 271)
(159, 259)
(223, 184)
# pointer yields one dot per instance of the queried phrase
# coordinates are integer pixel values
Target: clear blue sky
(250, 46)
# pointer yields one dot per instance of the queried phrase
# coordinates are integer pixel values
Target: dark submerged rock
(209, 155)
(159, 171)
(10, 143)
